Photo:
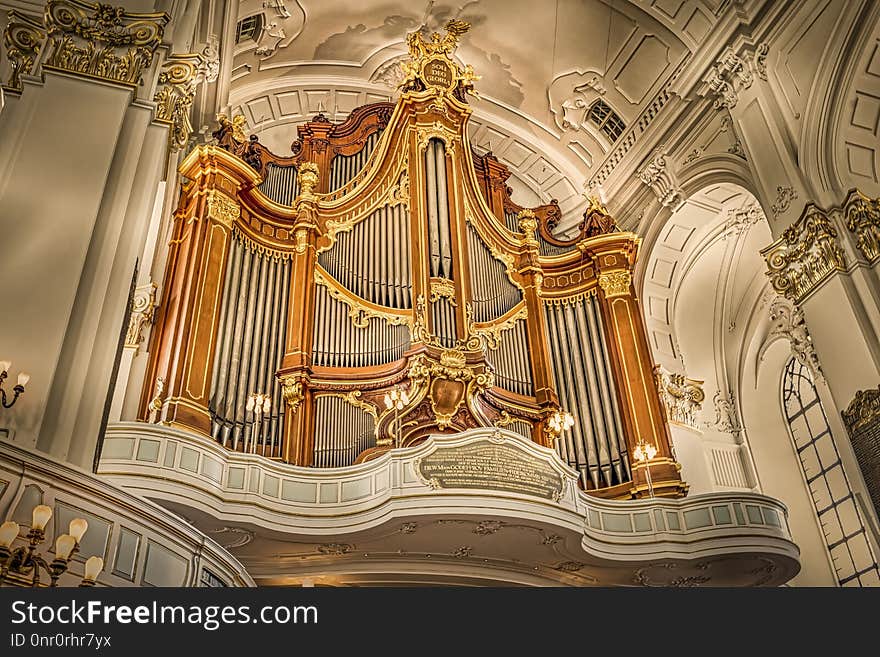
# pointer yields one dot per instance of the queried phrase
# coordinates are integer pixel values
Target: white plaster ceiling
(542, 65)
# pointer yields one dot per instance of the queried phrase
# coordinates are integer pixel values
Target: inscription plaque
(438, 73)
(493, 466)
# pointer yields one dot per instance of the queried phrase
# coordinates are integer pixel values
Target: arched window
(839, 517)
(607, 120)
(248, 29)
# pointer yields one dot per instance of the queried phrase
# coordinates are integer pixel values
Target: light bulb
(64, 545)
(78, 527)
(267, 405)
(5, 365)
(250, 404)
(94, 566)
(41, 516)
(23, 379)
(8, 533)
(389, 403)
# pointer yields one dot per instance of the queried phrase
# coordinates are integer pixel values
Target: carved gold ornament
(528, 225)
(399, 194)
(615, 283)
(222, 209)
(178, 80)
(101, 41)
(443, 288)
(682, 397)
(359, 311)
(23, 38)
(805, 255)
(430, 65)
(425, 371)
(507, 420)
(492, 333)
(863, 221)
(308, 180)
(292, 391)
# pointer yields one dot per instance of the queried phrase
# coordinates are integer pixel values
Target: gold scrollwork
(805, 255)
(863, 221)
(292, 391)
(178, 81)
(443, 288)
(507, 420)
(439, 131)
(615, 283)
(452, 366)
(492, 333)
(399, 194)
(682, 397)
(359, 312)
(528, 226)
(430, 64)
(222, 209)
(23, 38)
(102, 41)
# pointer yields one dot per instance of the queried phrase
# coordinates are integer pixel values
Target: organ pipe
(595, 446)
(250, 343)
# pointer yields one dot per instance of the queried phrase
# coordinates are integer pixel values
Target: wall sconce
(17, 389)
(557, 423)
(18, 565)
(258, 404)
(395, 400)
(643, 453)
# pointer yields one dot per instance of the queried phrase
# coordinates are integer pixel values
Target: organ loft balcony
(369, 365)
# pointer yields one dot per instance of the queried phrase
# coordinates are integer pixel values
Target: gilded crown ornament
(430, 65)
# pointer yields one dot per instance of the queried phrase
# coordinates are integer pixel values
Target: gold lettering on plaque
(488, 465)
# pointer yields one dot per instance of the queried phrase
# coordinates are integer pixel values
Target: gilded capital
(223, 209)
(102, 41)
(615, 283)
(292, 391)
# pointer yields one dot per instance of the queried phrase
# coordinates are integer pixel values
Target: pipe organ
(385, 255)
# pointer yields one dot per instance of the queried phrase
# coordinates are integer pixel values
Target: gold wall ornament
(443, 288)
(437, 131)
(23, 38)
(222, 209)
(863, 220)
(615, 283)
(492, 333)
(292, 391)
(102, 41)
(805, 255)
(142, 309)
(682, 397)
(178, 80)
(359, 311)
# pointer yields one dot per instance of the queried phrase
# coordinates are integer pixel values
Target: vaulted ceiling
(543, 65)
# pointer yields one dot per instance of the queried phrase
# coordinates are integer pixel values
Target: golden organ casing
(380, 285)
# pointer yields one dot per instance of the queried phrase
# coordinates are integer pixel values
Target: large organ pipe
(443, 210)
(510, 360)
(596, 446)
(250, 344)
